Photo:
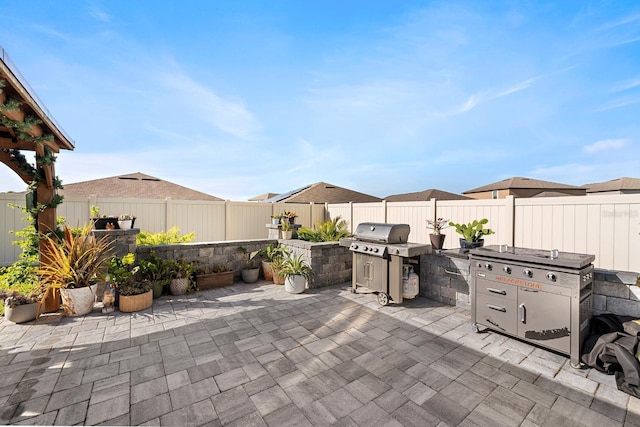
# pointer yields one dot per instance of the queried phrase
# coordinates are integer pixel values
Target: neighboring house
(524, 187)
(425, 196)
(321, 192)
(622, 185)
(263, 197)
(134, 186)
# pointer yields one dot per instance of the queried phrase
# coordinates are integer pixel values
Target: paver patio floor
(255, 355)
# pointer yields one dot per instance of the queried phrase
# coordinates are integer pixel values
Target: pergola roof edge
(19, 83)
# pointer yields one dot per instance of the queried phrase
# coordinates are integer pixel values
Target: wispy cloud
(227, 115)
(98, 13)
(605, 145)
(489, 95)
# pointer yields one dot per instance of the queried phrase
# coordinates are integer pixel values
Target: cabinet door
(545, 318)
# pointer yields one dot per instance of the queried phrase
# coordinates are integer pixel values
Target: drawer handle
(497, 291)
(455, 273)
(495, 307)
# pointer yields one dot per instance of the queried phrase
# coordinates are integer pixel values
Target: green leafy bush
(326, 231)
(170, 237)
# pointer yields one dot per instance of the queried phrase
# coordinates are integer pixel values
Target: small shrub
(326, 231)
(170, 237)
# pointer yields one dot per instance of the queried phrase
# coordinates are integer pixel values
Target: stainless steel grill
(379, 252)
(543, 297)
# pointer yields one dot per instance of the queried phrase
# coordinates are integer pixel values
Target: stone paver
(256, 355)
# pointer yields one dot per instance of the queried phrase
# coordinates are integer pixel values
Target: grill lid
(382, 233)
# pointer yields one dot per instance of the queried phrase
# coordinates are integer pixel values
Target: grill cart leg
(383, 299)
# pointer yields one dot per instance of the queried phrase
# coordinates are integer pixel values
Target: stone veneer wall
(331, 263)
(446, 278)
(124, 241)
(209, 254)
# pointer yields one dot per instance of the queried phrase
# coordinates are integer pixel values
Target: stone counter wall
(331, 263)
(209, 254)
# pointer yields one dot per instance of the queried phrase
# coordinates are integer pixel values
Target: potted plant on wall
(74, 264)
(285, 229)
(275, 219)
(297, 273)
(125, 221)
(472, 233)
(251, 272)
(437, 238)
(289, 216)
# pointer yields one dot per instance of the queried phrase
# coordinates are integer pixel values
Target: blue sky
(237, 99)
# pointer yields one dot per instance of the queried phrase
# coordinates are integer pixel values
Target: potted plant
(20, 307)
(135, 295)
(275, 219)
(285, 229)
(276, 267)
(180, 271)
(437, 238)
(271, 253)
(288, 216)
(125, 221)
(73, 265)
(297, 273)
(156, 271)
(251, 272)
(472, 233)
(216, 276)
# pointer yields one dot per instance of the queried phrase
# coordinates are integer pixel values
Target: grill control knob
(488, 266)
(376, 250)
(354, 246)
(527, 272)
(506, 269)
(479, 265)
(552, 276)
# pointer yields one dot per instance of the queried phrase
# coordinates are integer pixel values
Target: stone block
(611, 289)
(623, 307)
(599, 303)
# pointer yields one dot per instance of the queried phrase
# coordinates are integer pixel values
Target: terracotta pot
(278, 280)
(131, 303)
(51, 303)
(267, 271)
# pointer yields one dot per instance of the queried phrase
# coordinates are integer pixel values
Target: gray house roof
(322, 192)
(425, 195)
(619, 184)
(134, 186)
(518, 182)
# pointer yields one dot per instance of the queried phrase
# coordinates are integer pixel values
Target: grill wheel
(383, 299)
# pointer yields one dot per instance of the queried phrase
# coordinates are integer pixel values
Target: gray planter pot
(250, 276)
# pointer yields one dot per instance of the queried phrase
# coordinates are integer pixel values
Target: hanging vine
(37, 173)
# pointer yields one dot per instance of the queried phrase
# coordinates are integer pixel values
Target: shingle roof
(263, 197)
(134, 186)
(520, 182)
(624, 183)
(321, 192)
(425, 195)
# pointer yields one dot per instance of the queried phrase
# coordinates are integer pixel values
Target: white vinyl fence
(605, 226)
(211, 221)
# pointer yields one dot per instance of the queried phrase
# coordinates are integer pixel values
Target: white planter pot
(79, 301)
(295, 284)
(286, 235)
(125, 224)
(21, 313)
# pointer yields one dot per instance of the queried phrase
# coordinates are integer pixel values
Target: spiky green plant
(171, 236)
